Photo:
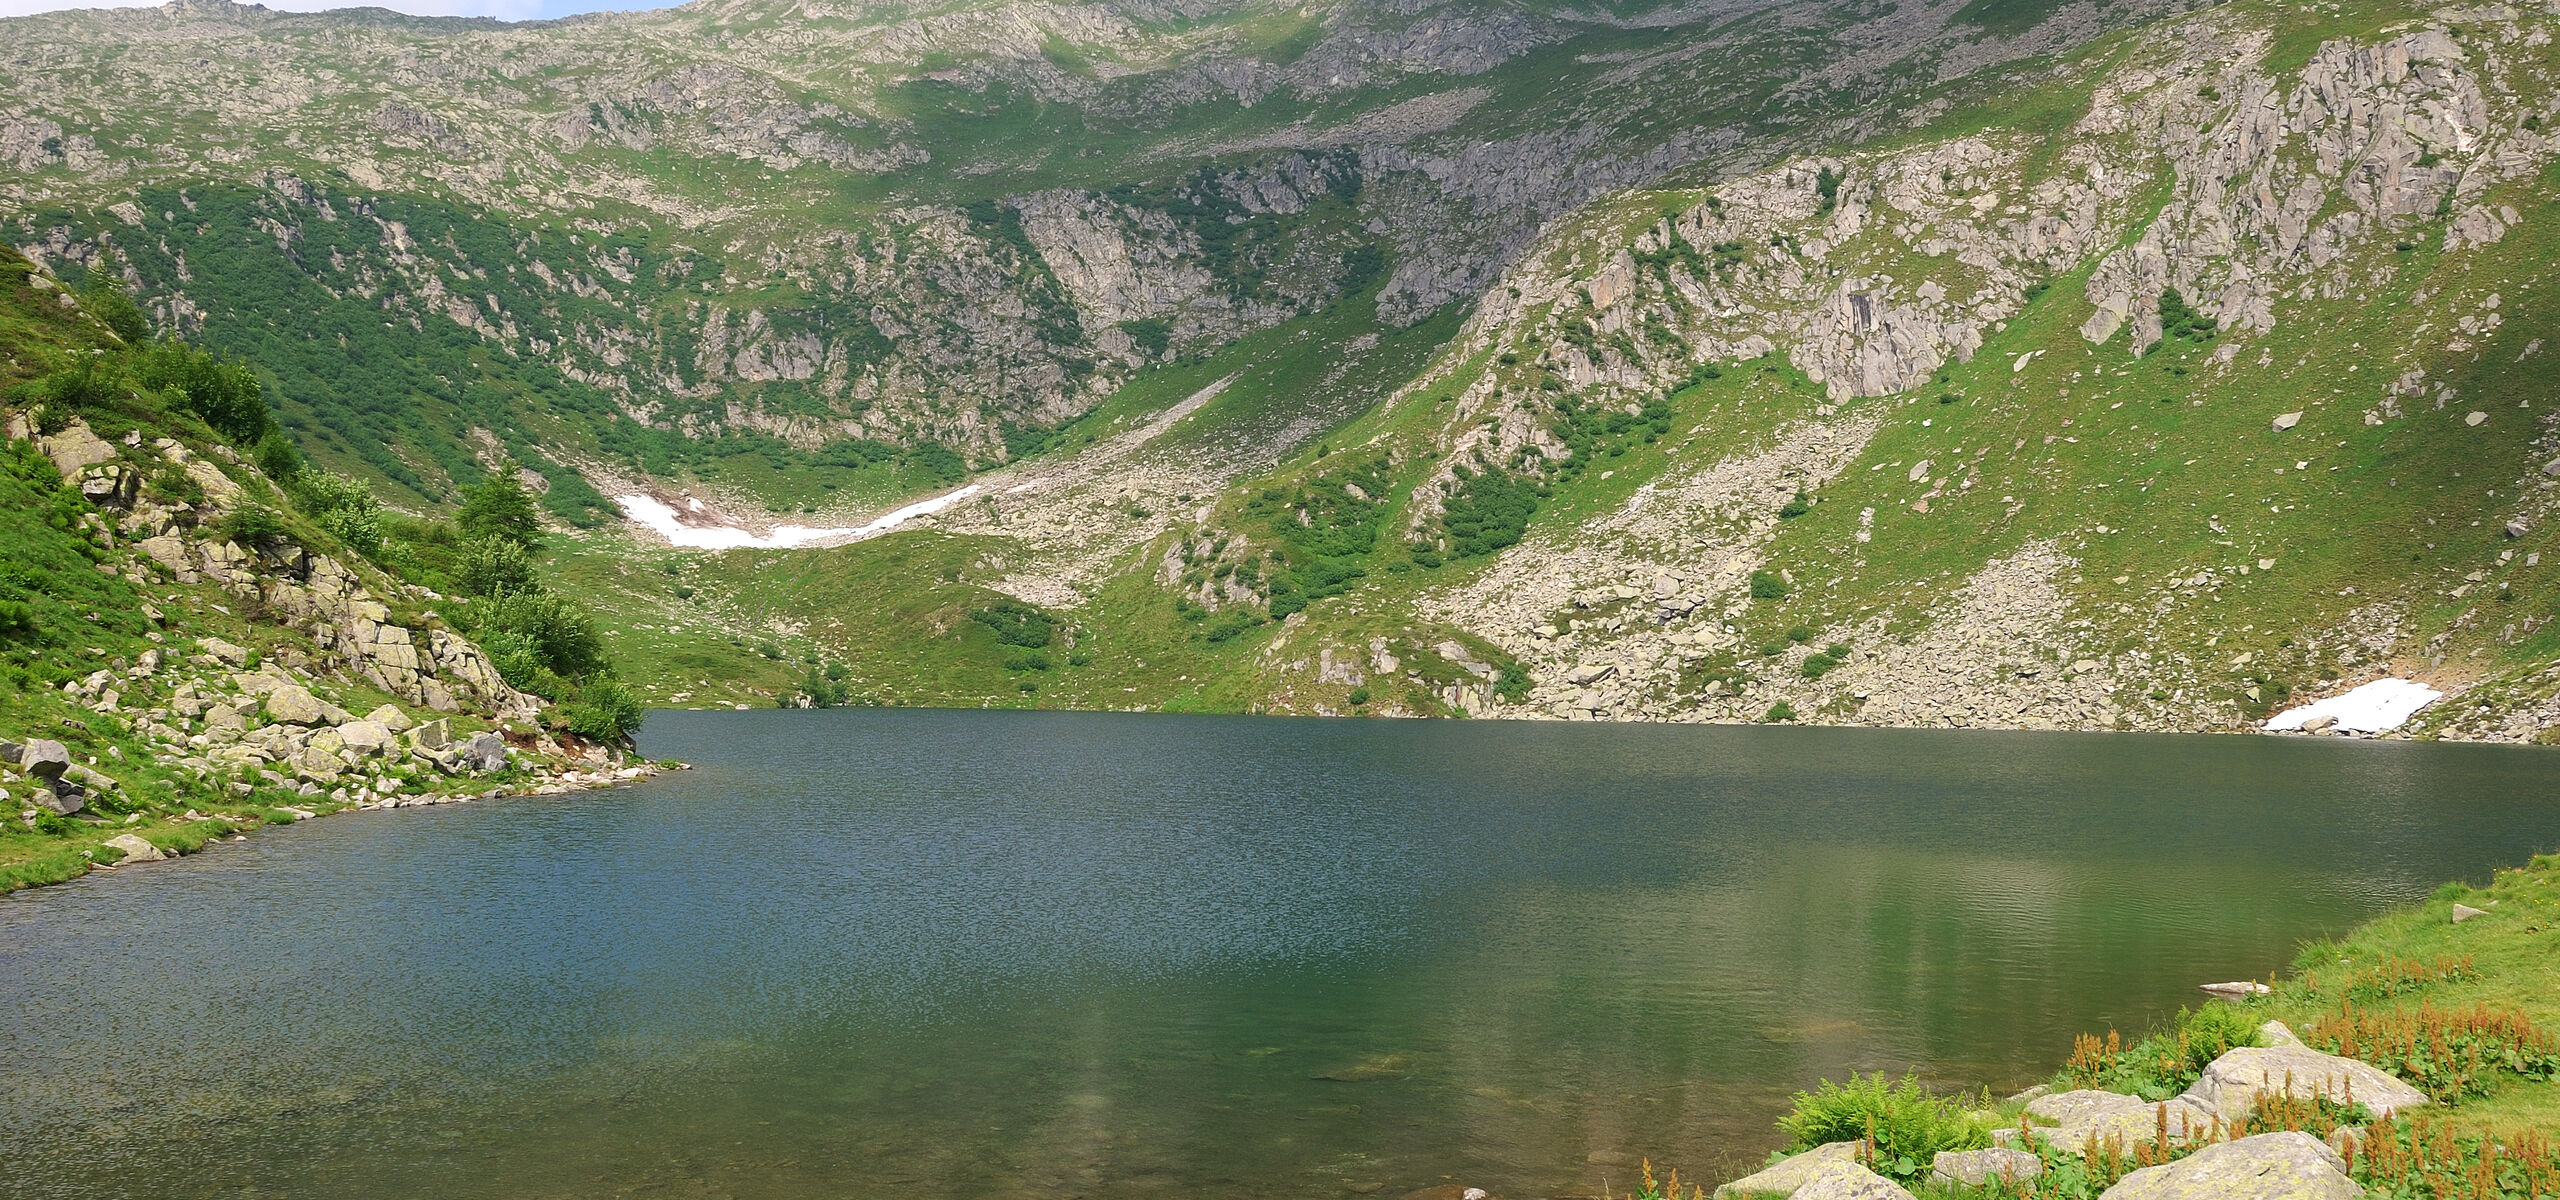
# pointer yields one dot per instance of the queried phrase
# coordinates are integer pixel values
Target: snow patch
(2377, 707)
(663, 520)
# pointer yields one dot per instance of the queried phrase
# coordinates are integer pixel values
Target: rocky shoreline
(2211, 1121)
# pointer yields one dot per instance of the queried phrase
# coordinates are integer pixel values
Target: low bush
(1018, 624)
(1768, 585)
(1904, 1124)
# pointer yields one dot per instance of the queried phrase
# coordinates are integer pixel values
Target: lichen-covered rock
(2113, 1119)
(2232, 1083)
(2270, 1166)
(1973, 1168)
(294, 704)
(1782, 1179)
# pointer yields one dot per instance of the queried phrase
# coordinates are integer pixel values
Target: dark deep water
(930, 954)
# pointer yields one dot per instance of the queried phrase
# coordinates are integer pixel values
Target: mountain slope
(2202, 373)
(705, 241)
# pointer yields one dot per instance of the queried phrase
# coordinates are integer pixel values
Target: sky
(511, 10)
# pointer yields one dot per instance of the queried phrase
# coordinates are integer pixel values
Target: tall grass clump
(2167, 1062)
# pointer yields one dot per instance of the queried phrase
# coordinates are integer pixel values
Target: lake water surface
(956, 954)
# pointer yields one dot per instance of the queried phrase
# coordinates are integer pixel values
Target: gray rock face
(46, 760)
(484, 752)
(390, 717)
(63, 796)
(1973, 1168)
(224, 652)
(2270, 1166)
(2232, 1083)
(434, 735)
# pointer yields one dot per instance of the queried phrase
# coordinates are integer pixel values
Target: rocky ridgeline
(237, 722)
(2203, 1123)
(1872, 272)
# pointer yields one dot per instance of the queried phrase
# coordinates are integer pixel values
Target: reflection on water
(967, 954)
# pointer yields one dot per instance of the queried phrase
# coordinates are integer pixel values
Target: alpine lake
(928, 954)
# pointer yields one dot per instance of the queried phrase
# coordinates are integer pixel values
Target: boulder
(484, 752)
(135, 849)
(1974, 1168)
(390, 717)
(294, 704)
(2270, 1166)
(366, 737)
(224, 652)
(2110, 1118)
(2287, 421)
(2464, 912)
(2232, 1083)
(1848, 1181)
(63, 796)
(434, 735)
(2517, 529)
(1783, 1178)
(46, 760)
(1591, 673)
(10, 751)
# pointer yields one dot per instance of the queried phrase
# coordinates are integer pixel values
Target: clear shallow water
(947, 954)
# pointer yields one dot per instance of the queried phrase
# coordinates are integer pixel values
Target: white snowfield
(659, 517)
(2377, 707)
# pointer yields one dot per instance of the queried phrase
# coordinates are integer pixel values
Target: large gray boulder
(2232, 1083)
(484, 752)
(2270, 1166)
(432, 736)
(293, 704)
(46, 760)
(367, 737)
(390, 717)
(1974, 1168)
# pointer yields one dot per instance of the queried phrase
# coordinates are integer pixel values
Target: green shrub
(493, 566)
(1906, 1124)
(225, 392)
(1778, 713)
(1797, 507)
(500, 507)
(605, 711)
(1359, 696)
(1018, 624)
(1768, 585)
(538, 630)
(17, 621)
(253, 527)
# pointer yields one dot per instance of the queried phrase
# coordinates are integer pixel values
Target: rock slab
(2270, 1166)
(1974, 1168)
(2232, 1083)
